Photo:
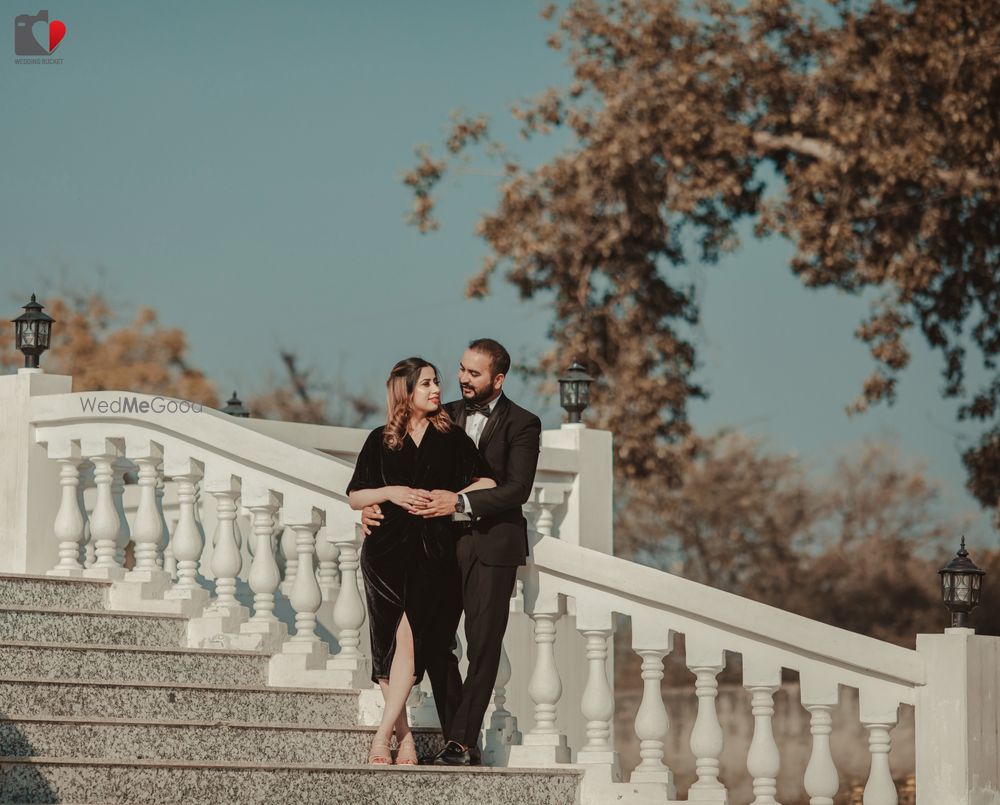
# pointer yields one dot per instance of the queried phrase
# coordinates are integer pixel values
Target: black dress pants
(483, 592)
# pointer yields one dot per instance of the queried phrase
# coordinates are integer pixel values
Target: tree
(866, 133)
(859, 549)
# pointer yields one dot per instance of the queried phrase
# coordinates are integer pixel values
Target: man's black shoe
(454, 755)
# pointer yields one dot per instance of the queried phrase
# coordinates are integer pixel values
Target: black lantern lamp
(574, 391)
(961, 587)
(234, 407)
(32, 331)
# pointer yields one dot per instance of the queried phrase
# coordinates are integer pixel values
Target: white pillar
(502, 732)
(104, 520)
(545, 744)
(148, 530)
(263, 632)
(762, 679)
(594, 622)
(819, 696)
(880, 789)
(306, 596)
(651, 721)
(706, 661)
(119, 468)
(351, 665)
(68, 528)
(958, 719)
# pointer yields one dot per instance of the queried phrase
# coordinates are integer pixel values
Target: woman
(409, 560)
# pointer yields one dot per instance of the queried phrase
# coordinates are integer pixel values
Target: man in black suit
(492, 543)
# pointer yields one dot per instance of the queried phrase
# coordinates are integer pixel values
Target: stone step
(52, 591)
(95, 780)
(121, 739)
(131, 663)
(151, 701)
(60, 625)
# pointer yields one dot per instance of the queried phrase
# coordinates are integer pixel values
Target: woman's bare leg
(396, 691)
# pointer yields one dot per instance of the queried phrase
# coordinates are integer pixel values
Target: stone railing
(289, 480)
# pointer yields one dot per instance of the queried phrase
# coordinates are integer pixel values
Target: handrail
(636, 587)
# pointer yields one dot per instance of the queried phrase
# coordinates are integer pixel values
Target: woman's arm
(402, 496)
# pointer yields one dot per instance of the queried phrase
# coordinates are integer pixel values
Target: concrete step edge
(207, 652)
(174, 685)
(199, 724)
(102, 613)
(543, 771)
(55, 580)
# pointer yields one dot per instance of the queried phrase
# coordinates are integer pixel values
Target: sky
(237, 166)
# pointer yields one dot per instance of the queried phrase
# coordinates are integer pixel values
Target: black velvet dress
(408, 562)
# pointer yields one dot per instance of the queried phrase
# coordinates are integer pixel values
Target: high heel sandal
(376, 759)
(406, 752)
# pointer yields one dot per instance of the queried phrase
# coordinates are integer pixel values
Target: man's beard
(477, 396)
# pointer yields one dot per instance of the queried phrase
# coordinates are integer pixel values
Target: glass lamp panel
(28, 337)
(43, 333)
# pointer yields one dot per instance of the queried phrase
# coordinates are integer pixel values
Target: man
(492, 543)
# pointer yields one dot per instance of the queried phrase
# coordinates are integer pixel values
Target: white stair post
(104, 520)
(222, 619)
(594, 622)
(164, 557)
(706, 661)
(879, 713)
(545, 744)
(188, 541)
(287, 546)
(819, 696)
(327, 554)
(69, 524)
(351, 667)
(762, 678)
(958, 719)
(145, 586)
(652, 642)
(263, 632)
(118, 468)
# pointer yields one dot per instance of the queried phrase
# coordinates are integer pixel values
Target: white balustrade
(68, 528)
(652, 642)
(598, 702)
(329, 579)
(119, 467)
(289, 550)
(880, 788)
(819, 695)
(263, 631)
(164, 556)
(187, 542)
(545, 744)
(227, 561)
(306, 596)
(147, 531)
(706, 661)
(502, 731)
(762, 679)
(104, 519)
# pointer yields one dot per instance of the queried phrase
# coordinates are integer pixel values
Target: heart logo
(49, 32)
(57, 30)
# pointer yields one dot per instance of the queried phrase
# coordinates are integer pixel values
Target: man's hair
(499, 357)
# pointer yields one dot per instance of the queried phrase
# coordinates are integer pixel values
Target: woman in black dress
(409, 560)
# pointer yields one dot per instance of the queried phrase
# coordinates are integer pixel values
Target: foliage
(867, 134)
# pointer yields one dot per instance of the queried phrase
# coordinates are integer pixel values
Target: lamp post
(32, 332)
(234, 407)
(574, 391)
(961, 587)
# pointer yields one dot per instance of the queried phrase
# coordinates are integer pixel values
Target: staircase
(104, 706)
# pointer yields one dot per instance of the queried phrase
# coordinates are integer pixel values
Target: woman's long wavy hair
(399, 398)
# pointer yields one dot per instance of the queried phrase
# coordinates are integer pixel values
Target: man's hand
(370, 516)
(442, 504)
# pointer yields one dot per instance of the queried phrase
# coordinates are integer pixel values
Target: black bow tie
(475, 408)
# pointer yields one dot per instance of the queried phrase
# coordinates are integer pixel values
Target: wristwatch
(460, 505)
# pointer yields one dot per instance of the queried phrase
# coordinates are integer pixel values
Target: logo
(37, 36)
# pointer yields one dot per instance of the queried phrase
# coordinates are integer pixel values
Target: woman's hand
(406, 498)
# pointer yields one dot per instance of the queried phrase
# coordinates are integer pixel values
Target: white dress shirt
(475, 424)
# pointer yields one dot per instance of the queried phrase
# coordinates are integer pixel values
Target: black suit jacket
(510, 443)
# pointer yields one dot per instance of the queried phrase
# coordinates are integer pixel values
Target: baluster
(545, 743)
(104, 521)
(880, 789)
(263, 578)
(227, 561)
(652, 643)
(706, 662)
(289, 551)
(350, 667)
(87, 553)
(188, 542)
(164, 557)
(502, 732)
(306, 596)
(819, 696)
(148, 529)
(69, 523)
(598, 702)
(327, 553)
(762, 679)
(124, 536)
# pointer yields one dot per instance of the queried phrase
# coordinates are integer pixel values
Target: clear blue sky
(236, 165)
